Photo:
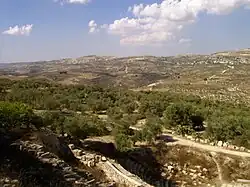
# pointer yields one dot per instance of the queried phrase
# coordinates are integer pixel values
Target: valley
(126, 121)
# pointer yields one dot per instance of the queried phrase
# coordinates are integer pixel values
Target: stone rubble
(221, 144)
(68, 171)
(119, 176)
(194, 174)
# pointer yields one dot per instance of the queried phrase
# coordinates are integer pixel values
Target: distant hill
(242, 52)
(222, 74)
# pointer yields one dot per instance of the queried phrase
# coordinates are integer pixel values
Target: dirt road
(182, 141)
(185, 142)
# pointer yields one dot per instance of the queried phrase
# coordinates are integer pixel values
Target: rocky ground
(26, 163)
(30, 162)
(43, 159)
(186, 165)
(189, 166)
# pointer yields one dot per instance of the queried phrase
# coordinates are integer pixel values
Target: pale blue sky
(61, 31)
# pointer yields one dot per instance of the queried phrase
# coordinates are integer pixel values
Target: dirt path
(181, 141)
(213, 155)
(184, 142)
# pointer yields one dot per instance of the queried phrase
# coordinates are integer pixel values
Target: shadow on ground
(30, 172)
(22, 164)
(166, 138)
(139, 161)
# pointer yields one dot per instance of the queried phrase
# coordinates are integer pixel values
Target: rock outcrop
(25, 163)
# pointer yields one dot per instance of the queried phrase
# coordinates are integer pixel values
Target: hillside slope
(223, 75)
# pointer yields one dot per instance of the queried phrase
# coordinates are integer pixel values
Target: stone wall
(29, 162)
(113, 171)
(151, 177)
(225, 145)
(116, 175)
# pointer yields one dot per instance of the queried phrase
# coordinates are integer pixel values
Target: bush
(235, 129)
(129, 108)
(226, 121)
(152, 129)
(54, 121)
(123, 142)
(122, 126)
(183, 116)
(115, 113)
(17, 115)
(51, 103)
(84, 126)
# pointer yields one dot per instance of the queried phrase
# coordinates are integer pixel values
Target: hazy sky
(51, 29)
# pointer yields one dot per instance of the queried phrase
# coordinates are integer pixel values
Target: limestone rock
(46, 155)
(206, 141)
(70, 179)
(212, 144)
(220, 143)
(15, 181)
(71, 146)
(193, 170)
(242, 149)
(184, 172)
(225, 144)
(204, 170)
(6, 180)
(103, 159)
(189, 137)
(67, 169)
(194, 176)
(198, 167)
(170, 168)
(78, 152)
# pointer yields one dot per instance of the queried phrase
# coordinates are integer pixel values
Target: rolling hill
(222, 75)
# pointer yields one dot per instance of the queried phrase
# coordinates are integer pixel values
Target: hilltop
(242, 52)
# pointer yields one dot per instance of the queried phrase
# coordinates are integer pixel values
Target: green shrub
(17, 115)
(123, 142)
(235, 129)
(183, 116)
(84, 126)
(115, 113)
